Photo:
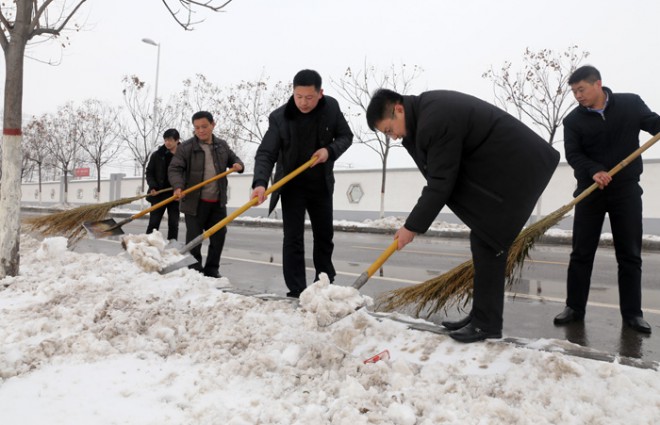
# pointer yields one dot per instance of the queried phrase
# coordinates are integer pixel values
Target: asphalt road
(252, 261)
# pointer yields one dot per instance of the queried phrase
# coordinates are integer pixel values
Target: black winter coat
(156, 173)
(596, 143)
(187, 169)
(278, 146)
(487, 166)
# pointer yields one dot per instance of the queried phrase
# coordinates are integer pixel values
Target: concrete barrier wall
(357, 192)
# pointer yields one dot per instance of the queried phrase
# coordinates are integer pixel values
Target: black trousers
(489, 276)
(208, 214)
(296, 200)
(156, 216)
(623, 204)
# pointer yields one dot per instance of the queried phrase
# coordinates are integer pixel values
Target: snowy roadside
(389, 225)
(89, 338)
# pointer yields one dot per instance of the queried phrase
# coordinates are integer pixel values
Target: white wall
(403, 188)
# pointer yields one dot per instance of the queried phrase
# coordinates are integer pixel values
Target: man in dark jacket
(309, 124)
(198, 159)
(157, 180)
(485, 165)
(598, 135)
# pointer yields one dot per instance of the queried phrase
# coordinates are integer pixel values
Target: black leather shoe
(212, 273)
(455, 325)
(567, 316)
(638, 324)
(470, 333)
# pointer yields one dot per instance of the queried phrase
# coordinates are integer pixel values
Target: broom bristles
(69, 223)
(455, 286)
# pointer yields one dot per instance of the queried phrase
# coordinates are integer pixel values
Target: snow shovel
(109, 227)
(359, 283)
(222, 223)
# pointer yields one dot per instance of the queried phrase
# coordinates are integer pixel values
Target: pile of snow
(150, 251)
(329, 303)
(92, 339)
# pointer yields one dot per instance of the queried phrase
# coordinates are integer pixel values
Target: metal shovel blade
(102, 228)
(187, 261)
(359, 283)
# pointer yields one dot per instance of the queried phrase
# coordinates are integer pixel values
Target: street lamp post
(153, 43)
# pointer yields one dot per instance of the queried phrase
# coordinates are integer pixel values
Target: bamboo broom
(455, 286)
(68, 223)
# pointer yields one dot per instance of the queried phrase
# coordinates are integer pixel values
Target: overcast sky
(454, 42)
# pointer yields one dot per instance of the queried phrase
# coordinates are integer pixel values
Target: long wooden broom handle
(630, 158)
(222, 223)
(184, 192)
(383, 257)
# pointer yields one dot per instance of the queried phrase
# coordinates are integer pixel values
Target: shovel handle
(383, 257)
(627, 160)
(184, 192)
(222, 223)
(364, 277)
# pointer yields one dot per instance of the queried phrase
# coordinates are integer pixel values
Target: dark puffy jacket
(156, 173)
(278, 147)
(595, 142)
(487, 166)
(187, 169)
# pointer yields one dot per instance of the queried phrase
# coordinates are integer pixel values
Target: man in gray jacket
(484, 164)
(198, 159)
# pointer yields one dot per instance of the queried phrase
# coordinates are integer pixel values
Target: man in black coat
(156, 175)
(485, 165)
(598, 135)
(309, 124)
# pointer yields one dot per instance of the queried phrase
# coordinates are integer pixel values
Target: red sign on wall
(81, 172)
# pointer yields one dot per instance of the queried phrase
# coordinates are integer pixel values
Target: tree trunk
(39, 165)
(10, 192)
(382, 190)
(98, 183)
(383, 179)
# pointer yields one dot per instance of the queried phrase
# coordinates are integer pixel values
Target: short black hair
(586, 73)
(308, 77)
(202, 114)
(381, 104)
(171, 133)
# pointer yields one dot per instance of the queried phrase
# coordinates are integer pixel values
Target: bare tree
(357, 87)
(63, 140)
(22, 21)
(539, 91)
(240, 111)
(139, 132)
(34, 137)
(244, 112)
(100, 135)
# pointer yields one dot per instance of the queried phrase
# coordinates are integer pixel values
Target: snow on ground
(94, 339)
(150, 251)
(329, 303)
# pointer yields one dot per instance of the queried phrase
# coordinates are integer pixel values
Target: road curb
(548, 239)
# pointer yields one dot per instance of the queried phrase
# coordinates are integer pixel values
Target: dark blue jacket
(596, 143)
